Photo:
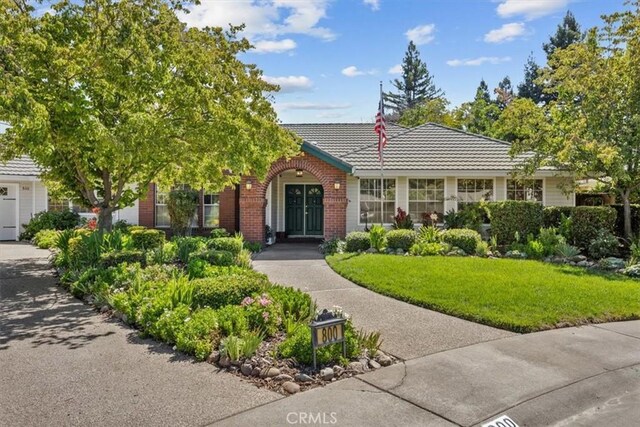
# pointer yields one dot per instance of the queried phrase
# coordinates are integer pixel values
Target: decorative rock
(303, 378)
(291, 387)
(374, 365)
(104, 309)
(326, 374)
(214, 357)
(399, 251)
(578, 258)
(246, 369)
(338, 370)
(283, 377)
(255, 372)
(224, 362)
(372, 251)
(365, 363)
(611, 263)
(384, 360)
(584, 263)
(269, 372)
(356, 367)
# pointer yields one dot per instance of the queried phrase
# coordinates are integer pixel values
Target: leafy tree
(567, 33)
(182, 204)
(479, 115)
(482, 93)
(504, 93)
(529, 88)
(110, 95)
(594, 124)
(522, 120)
(433, 111)
(416, 85)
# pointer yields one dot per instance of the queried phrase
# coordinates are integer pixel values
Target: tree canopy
(433, 111)
(567, 33)
(110, 95)
(416, 85)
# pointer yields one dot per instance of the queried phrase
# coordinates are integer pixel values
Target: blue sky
(329, 56)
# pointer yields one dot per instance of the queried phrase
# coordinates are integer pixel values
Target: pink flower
(247, 301)
(264, 300)
(265, 315)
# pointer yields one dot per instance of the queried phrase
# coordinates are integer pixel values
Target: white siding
(353, 186)
(501, 188)
(129, 214)
(450, 193)
(42, 203)
(25, 208)
(553, 194)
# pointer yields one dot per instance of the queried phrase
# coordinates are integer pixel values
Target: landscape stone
(356, 367)
(214, 357)
(224, 362)
(584, 263)
(283, 377)
(104, 309)
(374, 365)
(303, 378)
(384, 360)
(338, 370)
(291, 387)
(269, 372)
(326, 374)
(255, 372)
(246, 369)
(372, 251)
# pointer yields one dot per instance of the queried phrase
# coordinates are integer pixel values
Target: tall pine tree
(483, 92)
(567, 33)
(504, 93)
(416, 85)
(529, 88)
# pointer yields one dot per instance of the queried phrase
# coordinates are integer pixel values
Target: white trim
(544, 189)
(395, 206)
(454, 173)
(444, 200)
(16, 185)
(15, 178)
(495, 198)
(33, 199)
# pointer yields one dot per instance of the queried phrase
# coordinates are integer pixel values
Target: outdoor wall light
(336, 185)
(248, 185)
(299, 172)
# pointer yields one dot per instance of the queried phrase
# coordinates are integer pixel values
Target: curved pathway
(408, 331)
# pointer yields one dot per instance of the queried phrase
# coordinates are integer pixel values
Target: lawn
(517, 295)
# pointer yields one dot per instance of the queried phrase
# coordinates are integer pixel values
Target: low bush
(462, 238)
(510, 217)
(482, 249)
(185, 246)
(216, 292)
(552, 215)
(50, 220)
(332, 246)
(587, 221)
(130, 256)
(357, 241)
(165, 254)
(401, 239)
(604, 245)
(218, 232)
(215, 257)
(294, 304)
(146, 239)
(262, 314)
(550, 239)
(534, 249)
(46, 239)
(377, 237)
(229, 244)
(428, 249)
(170, 323)
(298, 346)
(232, 320)
(198, 334)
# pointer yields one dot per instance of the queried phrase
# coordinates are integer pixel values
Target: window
(162, 210)
(426, 196)
(4, 191)
(211, 210)
(377, 204)
(57, 205)
(473, 191)
(530, 190)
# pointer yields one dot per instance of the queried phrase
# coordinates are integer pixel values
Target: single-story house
(336, 184)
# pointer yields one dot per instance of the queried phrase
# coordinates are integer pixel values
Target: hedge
(401, 239)
(112, 259)
(147, 239)
(635, 219)
(50, 220)
(587, 221)
(510, 216)
(230, 244)
(552, 215)
(216, 292)
(357, 241)
(462, 238)
(215, 257)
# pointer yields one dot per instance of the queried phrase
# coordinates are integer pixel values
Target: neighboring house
(334, 186)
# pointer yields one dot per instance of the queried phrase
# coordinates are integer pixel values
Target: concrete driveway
(61, 363)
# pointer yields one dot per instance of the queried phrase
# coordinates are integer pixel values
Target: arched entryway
(309, 199)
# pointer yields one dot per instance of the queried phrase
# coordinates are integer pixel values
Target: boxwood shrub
(212, 256)
(357, 241)
(401, 239)
(231, 244)
(50, 220)
(112, 259)
(510, 216)
(587, 221)
(147, 239)
(462, 238)
(216, 292)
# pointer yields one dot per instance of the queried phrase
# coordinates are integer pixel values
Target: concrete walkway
(408, 331)
(61, 363)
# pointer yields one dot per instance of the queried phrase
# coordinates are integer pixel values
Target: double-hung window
(426, 197)
(471, 191)
(211, 210)
(528, 190)
(162, 210)
(377, 200)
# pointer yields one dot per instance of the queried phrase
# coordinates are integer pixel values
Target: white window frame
(444, 199)
(158, 190)
(544, 189)
(395, 202)
(493, 179)
(205, 205)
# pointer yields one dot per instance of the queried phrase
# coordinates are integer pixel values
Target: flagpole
(381, 149)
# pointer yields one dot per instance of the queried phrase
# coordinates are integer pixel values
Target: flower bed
(201, 296)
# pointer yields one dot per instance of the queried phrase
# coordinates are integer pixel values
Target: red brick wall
(146, 208)
(253, 201)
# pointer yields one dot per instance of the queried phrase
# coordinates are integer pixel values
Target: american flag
(381, 129)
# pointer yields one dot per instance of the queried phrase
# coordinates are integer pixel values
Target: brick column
(252, 206)
(335, 219)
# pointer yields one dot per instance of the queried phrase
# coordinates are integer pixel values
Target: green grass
(517, 295)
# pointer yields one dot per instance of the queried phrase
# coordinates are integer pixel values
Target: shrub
(552, 215)
(401, 239)
(511, 217)
(222, 258)
(402, 221)
(635, 219)
(534, 249)
(332, 246)
(377, 237)
(216, 292)
(147, 239)
(185, 246)
(429, 234)
(232, 320)
(229, 244)
(298, 346)
(294, 304)
(182, 204)
(462, 238)
(482, 249)
(550, 239)
(566, 250)
(129, 256)
(218, 232)
(357, 241)
(587, 221)
(198, 333)
(428, 249)
(50, 220)
(165, 254)
(46, 239)
(604, 245)
(262, 314)
(170, 323)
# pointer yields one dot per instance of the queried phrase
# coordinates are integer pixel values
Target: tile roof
(20, 166)
(427, 147)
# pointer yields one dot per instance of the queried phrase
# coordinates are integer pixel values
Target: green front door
(314, 210)
(304, 213)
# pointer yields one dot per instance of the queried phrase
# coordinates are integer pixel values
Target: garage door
(8, 213)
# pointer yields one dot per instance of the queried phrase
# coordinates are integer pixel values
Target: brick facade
(253, 201)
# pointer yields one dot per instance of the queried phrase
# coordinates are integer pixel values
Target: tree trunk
(105, 219)
(628, 231)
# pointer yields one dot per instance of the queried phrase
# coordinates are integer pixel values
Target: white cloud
(506, 33)
(530, 9)
(289, 84)
(263, 19)
(422, 34)
(374, 4)
(311, 106)
(396, 69)
(274, 46)
(353, 71)
(474, 62)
